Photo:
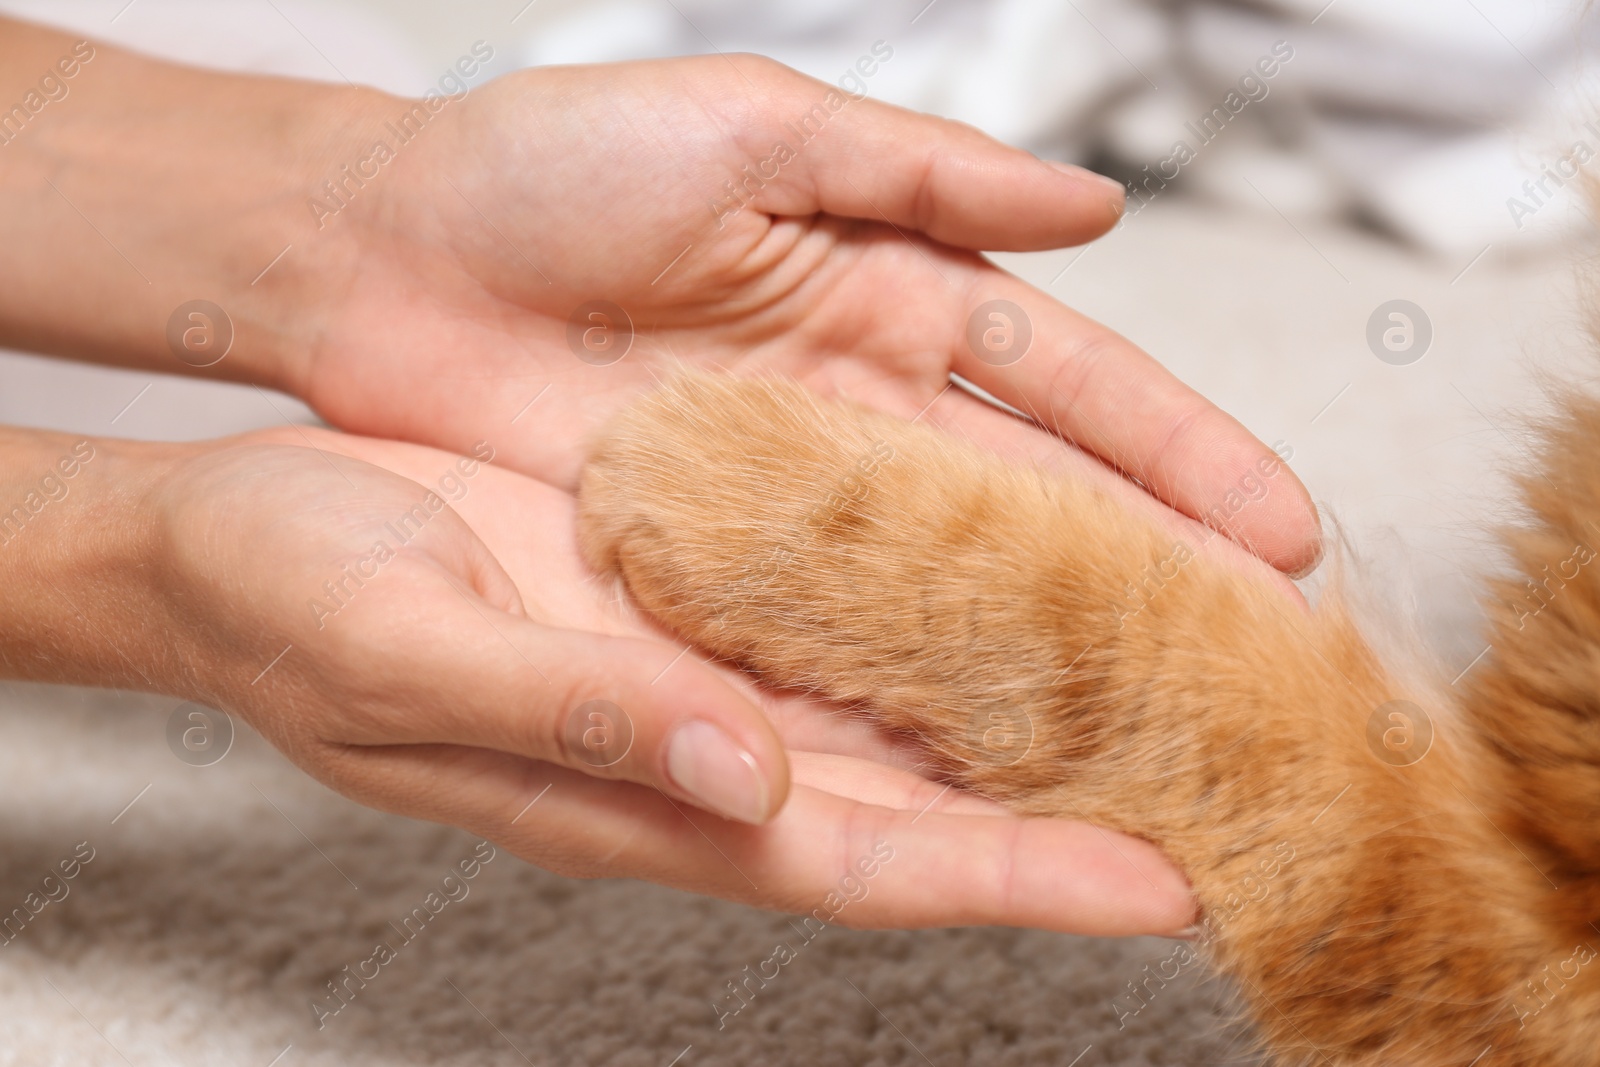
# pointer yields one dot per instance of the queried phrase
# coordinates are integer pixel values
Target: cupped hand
(473, 674)
(551, 240)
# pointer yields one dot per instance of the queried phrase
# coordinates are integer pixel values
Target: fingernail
(1167, 879)
(1305, 569)
(721, 776)
(1319, 548)
(1087, 175)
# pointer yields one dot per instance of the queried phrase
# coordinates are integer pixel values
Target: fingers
(442, 651)
(1104, 394)
(861, 158)
(808, 723)
(464, 673)
(869, 782)
(825, 856)
(982, 423)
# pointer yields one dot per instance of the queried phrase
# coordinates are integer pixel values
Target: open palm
(957, 859)
(539, 253)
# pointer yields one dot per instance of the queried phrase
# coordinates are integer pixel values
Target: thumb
(852, 156)
(612, 707)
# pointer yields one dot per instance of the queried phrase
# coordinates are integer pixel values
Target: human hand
(848, 265)
(433, 300)
(418, 679)
(958, 860)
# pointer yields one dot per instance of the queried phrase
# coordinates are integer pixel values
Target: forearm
(75, 555)
(130, 187)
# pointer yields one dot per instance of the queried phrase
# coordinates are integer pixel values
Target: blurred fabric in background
(1424, 118)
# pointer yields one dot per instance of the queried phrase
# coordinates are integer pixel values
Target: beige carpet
(215, 908)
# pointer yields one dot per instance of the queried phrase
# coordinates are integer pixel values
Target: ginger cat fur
(1372, 907)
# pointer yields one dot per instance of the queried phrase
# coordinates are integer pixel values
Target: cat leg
(1536, 694)
(1056, 652)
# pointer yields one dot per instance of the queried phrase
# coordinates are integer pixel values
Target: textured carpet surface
(220, 899)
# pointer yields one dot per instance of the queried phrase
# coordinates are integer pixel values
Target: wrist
(146, 187)
(75, 553)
